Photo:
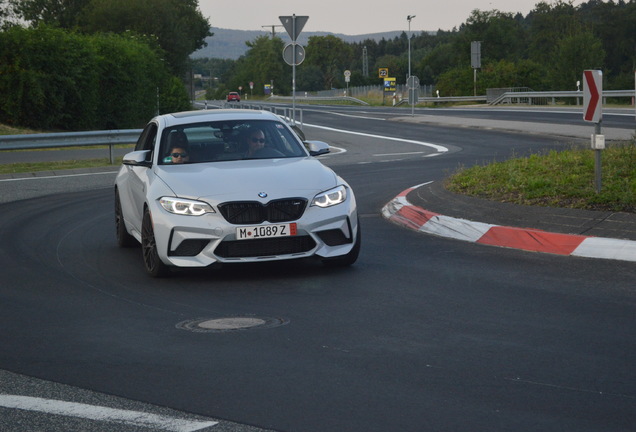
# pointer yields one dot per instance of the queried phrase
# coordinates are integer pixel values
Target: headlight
(182, 206)
(330, 197)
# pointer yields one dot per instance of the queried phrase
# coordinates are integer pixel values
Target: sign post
(347, 76)
(593, 113)
(383, 73)
(413, 84)
(294, 25)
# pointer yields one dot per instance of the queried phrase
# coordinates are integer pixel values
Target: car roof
(175, 119)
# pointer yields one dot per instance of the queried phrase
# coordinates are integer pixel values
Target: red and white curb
(400, 211)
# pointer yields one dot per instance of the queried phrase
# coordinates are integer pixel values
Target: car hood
(244, 180)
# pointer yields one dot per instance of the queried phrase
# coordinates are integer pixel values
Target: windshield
(228, 140)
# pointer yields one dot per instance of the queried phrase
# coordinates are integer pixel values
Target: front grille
(253, 212)
(265, 247)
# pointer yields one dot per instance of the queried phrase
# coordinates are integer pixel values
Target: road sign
(389, 84)
(294, 25)
(347, 73)
(592, 94)
(288, 54)
(383, 72)
(475, 54)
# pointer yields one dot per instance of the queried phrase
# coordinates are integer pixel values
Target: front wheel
(153, 264)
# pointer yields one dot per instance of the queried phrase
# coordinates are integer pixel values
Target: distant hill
(230, 44)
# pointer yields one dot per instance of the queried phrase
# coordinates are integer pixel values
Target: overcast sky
(354, 17)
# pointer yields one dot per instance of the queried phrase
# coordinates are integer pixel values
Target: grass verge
(16, 168)
(556, 179)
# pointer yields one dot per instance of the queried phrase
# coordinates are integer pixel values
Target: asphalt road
(423, 333)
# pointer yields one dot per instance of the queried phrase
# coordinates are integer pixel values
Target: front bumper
(199, 241)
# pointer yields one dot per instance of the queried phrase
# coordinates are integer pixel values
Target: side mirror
(298, 132)
(317, 148)
(138, 158)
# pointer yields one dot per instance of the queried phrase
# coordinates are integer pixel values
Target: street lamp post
(409, 18)
(411, 96)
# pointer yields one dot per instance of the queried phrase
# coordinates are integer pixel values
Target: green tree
(500, 33)
(547, 24)
(261, 64)
(332, 55)
(459, 81)
(53, 79)
(614, 23)
(47, 79)
(177, 25)
(133, 82)
(573, 54)
(309, 78)
(398, 67)
(57, 13)
(441, 58)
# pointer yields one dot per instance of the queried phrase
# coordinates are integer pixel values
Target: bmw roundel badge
(262, 194)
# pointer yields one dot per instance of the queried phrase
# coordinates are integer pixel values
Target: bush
(54, 79)
(48, 79)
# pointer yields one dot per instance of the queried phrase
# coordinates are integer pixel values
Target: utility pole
(273, 26)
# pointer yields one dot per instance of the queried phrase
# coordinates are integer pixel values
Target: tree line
(547, 49)
(105, 64)
(95, 64)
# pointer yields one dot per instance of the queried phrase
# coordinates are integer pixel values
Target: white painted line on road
(93, 412)
(397, 154)
(356, 116)
(439, 148)
(57, 176)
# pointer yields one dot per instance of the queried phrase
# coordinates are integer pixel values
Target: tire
(349, 258)
(152, 263)
(124, 240)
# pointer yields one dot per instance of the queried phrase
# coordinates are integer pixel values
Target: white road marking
(397, 154)
(439, 148)
(355, 116)
(105, 414)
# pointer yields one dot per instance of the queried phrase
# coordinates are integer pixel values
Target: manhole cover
(228, 324)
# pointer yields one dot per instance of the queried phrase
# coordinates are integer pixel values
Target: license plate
(266, 231)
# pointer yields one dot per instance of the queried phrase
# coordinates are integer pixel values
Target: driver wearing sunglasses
(255, 142)
(178, 145)
(179, 155)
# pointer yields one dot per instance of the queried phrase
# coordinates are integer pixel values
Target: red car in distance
(233, 96)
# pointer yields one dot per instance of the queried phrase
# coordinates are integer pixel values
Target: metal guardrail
(110, 138)
(320, 98)
(532, 97)
(286, 113)
(510, 97)
(452, 99)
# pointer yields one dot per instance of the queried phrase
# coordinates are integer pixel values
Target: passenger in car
(254, 141)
